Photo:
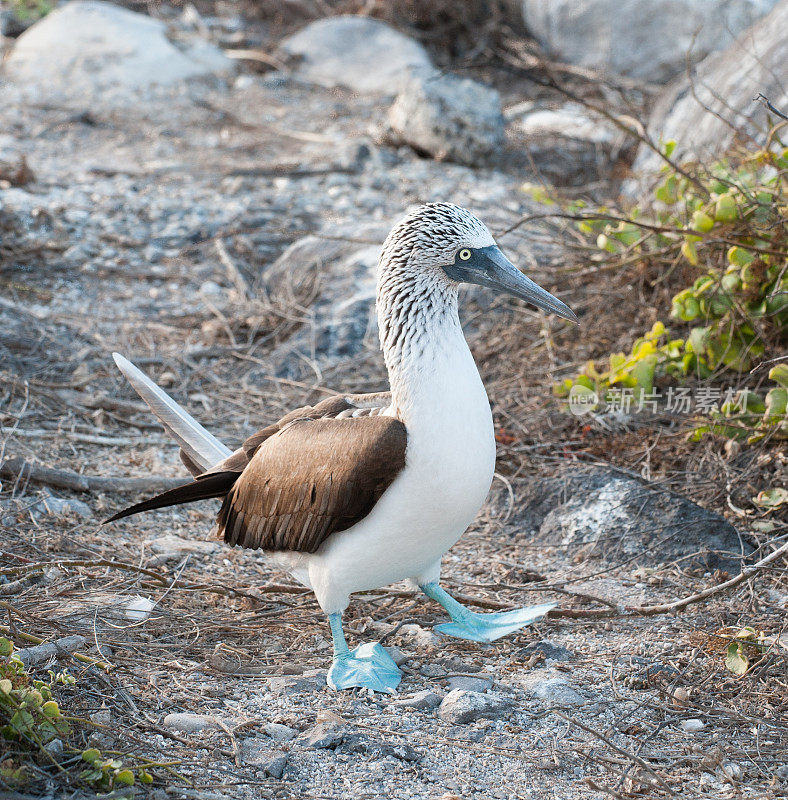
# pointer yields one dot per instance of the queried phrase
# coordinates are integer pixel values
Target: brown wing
(339, 406)
(312, 478)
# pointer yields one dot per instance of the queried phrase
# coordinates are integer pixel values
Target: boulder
(612, 517)
(726, 85)
(645, 39)
(358, 53)
(448, 118)
(89, 53)
(569, 146)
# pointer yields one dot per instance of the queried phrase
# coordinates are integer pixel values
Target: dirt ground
(117, 243)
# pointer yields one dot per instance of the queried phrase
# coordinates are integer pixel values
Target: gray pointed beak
(490, 267)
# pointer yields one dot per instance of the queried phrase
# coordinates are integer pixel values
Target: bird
(363, 490)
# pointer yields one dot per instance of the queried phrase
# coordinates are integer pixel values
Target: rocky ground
(222, 231)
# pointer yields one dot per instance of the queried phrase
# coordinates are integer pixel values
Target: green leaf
(740, 257)
(690, 252)
(735, 660)
(725, 209)
(91, 756)
(50, 709)
(6, 647)
(780, 375)
(125, 776)
(771, 498)
(702, 222)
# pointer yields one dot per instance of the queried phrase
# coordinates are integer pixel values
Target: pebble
(139, 608)
(60, 506)
(312, 681)
(548, 650)
(692, 725)
(55, 747)
(423, 700)
(480, 683)
(258, 753)
(275, 767)
(323, 736)
(418, 636)
(280, 733)
(432, 671)
(732, 770)
(397, 656)
(460, 707)
(557, 692)
(189, 723)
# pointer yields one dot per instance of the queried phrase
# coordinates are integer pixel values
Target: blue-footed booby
(361, 491)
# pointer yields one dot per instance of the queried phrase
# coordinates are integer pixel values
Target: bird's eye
(464, 254)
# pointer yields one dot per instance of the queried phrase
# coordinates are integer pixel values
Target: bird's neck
(430, 366)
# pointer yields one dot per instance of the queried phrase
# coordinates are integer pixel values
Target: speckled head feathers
(430, 236)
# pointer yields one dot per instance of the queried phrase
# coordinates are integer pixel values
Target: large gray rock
(449, 118)
(89, 53)
(703, 122)
(359, 53)
(646, 39)
(605, 515)
(569, 146)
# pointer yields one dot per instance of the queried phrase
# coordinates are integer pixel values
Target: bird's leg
(368, 665)
(467, 624)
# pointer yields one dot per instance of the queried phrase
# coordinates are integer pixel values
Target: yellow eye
(464, 254)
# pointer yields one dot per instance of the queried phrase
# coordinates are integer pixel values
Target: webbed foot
(489, 627)
(368, 666)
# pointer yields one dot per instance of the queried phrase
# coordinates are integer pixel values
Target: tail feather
(215, 484)
(201, 447)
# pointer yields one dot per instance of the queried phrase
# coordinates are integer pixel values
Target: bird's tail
(214, 484)
(199, 446)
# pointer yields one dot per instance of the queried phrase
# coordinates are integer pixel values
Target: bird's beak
(490, 267)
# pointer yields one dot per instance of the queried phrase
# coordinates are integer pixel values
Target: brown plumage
(317, 471)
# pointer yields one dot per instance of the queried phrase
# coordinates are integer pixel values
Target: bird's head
(451, 244)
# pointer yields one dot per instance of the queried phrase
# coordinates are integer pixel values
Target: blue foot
(489, 627)
(368, 666)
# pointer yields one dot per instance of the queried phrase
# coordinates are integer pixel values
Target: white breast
(449, 466)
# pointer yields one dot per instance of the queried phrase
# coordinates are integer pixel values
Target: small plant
(750, 417)
(746, 647)
(27, 710)
(109, 773)
(31, 718)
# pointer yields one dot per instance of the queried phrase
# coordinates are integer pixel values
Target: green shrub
(728, 225)
(30, 718)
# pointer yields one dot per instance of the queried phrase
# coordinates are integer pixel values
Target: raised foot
(489, 627)
(368, 666)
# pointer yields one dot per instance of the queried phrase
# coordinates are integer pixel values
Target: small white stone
(139, 608)
(732, 770)
(692, 725)
(211, 289)
(189, 723)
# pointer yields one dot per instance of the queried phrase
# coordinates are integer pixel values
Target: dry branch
(38, 653)
(677, 605)
(66, 479)
(28, 637)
